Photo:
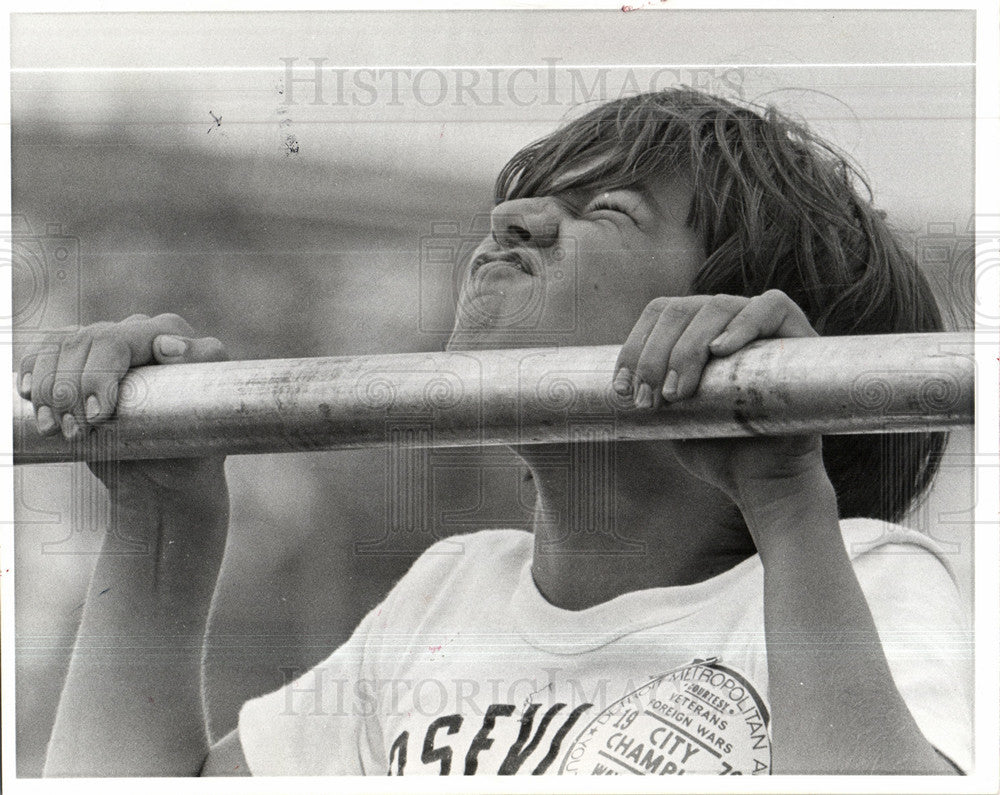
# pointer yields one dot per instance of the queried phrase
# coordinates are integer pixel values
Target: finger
(42, 380)
(67, 398)
(772, 314)
(139, 331)
(24, 375)
(107, 363)
(691, 350)
(173, 349)
(26, 370)
(628, 356)
(657, 352)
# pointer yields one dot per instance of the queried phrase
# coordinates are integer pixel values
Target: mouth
(509, 258)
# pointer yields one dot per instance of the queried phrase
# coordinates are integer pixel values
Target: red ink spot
(434, 648)
(150, 699)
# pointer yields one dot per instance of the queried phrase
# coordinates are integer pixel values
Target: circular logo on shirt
(703, 718)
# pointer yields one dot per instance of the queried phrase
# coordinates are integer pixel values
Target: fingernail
(93, 407)
(26, 383)
(670, 385)
(70, 427)
(623, 381)
(171, 346)
(721, 340)
(644, 397)
(45, 420)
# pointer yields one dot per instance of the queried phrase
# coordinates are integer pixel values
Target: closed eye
(613, 203)
(601, 204)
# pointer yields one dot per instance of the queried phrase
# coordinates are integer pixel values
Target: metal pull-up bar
(884, 383)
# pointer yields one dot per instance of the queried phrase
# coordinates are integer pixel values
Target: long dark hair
(777, 207)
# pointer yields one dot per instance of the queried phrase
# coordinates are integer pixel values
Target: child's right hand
(72, 381)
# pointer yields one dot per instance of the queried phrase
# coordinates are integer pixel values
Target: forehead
(578, 175)
(669, 193)
(593, 173)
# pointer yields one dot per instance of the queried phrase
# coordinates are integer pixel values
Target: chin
(492, 321)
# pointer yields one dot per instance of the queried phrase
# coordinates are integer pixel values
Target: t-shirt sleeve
(320, 724)
(926, 634)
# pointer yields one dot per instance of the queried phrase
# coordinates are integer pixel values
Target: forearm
(835, 706)
(131, 703)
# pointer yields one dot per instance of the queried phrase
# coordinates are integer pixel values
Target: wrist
(172, 527)
(794, 512)
(789, 491)
(196, 487)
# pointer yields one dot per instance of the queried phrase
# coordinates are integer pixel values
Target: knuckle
(171, 319)
(717, 303)
(674, 311)
(78, 339)
(49, 346)
(95, 330)
(109, 357)
(684, 357)
(93, 381)
(138, 317)
(65, 391)
(111, 341)
(724, 301)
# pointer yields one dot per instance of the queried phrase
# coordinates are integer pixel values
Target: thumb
(171, 349)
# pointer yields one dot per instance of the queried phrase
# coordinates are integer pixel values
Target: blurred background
(195, 163)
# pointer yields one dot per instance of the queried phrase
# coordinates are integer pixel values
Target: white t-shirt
(466, 668)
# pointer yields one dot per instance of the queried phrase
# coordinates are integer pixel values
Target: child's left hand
(663, 360)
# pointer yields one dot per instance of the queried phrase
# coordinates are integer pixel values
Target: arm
(835, 706)
(131, 702)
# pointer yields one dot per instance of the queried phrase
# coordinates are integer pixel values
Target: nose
(526, 222)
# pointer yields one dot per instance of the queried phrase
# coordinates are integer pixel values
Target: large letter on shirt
(482, 741)
(432, 754)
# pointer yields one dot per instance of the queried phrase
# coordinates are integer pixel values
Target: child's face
(576, 267)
